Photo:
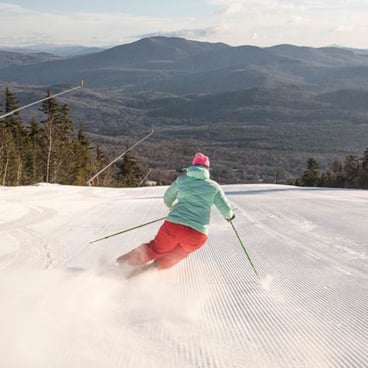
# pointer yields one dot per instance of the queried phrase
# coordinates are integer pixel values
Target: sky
(239, 22)
(65, 303)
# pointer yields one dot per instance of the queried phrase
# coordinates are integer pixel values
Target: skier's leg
(191, 240)
(170, 259)
(166, 239)
(188, 240)
(163, 242)
(138, 256)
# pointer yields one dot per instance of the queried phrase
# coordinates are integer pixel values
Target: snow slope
(308, 310)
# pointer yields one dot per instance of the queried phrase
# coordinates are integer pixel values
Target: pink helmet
(201, 159)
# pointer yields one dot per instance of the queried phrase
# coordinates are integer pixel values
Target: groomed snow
(64, 302)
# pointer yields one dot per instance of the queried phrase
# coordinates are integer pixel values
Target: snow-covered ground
(309, 309)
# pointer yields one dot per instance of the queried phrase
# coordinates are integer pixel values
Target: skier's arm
(171, 194)
(223, 205)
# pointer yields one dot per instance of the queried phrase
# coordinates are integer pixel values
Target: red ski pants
(173, 243)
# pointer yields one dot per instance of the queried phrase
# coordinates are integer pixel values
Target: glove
(181, 170)
(231, 219)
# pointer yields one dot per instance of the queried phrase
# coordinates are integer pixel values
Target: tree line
(351, 173)
(53, 151)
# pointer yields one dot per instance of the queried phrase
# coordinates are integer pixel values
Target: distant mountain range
(13, 58)
(179, 66)
(57, 50)
(241, 98)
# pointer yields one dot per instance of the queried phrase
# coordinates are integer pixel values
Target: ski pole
(126, 230)
(245, 251)
(44, 99)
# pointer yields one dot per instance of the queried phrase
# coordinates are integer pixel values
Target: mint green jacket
(191, 196)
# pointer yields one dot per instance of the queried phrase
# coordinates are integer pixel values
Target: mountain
(322, 56)
(61, 51)
(180, 66)
(258, 109)
(11, 58)
(66, 51)
(353, 100)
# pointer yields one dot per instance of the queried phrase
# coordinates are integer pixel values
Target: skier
(185, 230)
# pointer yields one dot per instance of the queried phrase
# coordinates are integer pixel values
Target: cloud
(21, 26)
(196, 34)
(302, 22)
(11, 8)
(236, 22)
(231, 9)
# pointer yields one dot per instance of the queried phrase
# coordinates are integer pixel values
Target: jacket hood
(198, 172)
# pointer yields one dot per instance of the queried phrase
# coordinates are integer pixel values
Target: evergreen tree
(130, 173)
(83, 159)
(5, 142)
(363, 171)
(333, 177)
(65, 153)
(353, 173)
(2, 142)
(38, 154)
(350, 171)
(49, 152)
(101, 160)
(311, 177)
(50, 108)
(13, 144)
(365, 159)
(58, 128)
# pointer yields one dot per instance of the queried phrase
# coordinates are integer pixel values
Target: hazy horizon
(241, 22)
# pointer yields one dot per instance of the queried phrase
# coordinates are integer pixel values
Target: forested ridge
(52, 150)
(351, 173)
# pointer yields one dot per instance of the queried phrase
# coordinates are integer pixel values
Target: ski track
(307, 310)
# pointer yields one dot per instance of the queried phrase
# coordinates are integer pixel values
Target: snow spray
(266, 281)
